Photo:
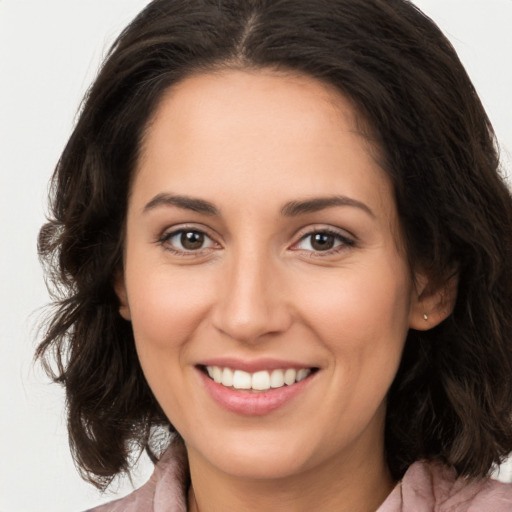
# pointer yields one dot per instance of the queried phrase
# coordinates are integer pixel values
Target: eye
(323, 241)
(187, 240)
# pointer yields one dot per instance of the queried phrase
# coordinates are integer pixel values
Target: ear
(120, 289)
(433, 301)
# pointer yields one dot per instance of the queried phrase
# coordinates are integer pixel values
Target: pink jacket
(426, 487)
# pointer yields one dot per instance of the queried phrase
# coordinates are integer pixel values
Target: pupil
(192, 240)
(322, 242)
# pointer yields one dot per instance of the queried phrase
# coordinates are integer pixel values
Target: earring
(425, 316)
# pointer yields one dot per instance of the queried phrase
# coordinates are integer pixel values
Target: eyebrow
(290, 209)
(184, 202)
(294, 208)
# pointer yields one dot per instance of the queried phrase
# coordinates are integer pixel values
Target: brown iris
(322, 241)
(192, 240)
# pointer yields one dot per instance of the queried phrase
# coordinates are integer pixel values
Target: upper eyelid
(170, 234)
(297, 237)
(310, 230)
(164, 241)
(164, 236)
(178, 228)
(347, 241)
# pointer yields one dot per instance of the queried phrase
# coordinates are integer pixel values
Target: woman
(286, 253)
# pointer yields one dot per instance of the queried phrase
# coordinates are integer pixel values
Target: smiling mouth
(263, 380)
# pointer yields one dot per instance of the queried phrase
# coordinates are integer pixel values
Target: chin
(255, 456)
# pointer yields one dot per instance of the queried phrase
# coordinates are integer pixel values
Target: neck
(347, 487)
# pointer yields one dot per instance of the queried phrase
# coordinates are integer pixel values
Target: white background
(49, 53)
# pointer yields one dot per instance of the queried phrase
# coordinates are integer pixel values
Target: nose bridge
(250, 304)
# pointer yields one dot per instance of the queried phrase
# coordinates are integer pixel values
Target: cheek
(166, 310)
(359, 302)
(166, 307)
(362, 318)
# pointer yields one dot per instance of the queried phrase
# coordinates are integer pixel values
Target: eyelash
(166, 237)
(344, 242)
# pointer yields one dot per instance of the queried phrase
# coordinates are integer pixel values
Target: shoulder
(164, 491)
(429, 486)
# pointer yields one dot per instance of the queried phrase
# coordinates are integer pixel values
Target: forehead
(255, 104)
(251, 132)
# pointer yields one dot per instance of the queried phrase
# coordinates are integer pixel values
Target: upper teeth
(259, 381)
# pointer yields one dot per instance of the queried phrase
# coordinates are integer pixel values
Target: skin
(250, 143)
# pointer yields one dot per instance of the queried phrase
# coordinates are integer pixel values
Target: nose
(251, 301)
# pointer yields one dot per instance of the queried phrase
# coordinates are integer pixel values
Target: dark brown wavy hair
(452, 397)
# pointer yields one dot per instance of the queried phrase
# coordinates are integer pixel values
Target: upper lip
(252, 366)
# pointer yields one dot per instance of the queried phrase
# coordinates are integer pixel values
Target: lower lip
(253, 403)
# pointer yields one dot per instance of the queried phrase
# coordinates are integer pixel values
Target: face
(264, 277)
